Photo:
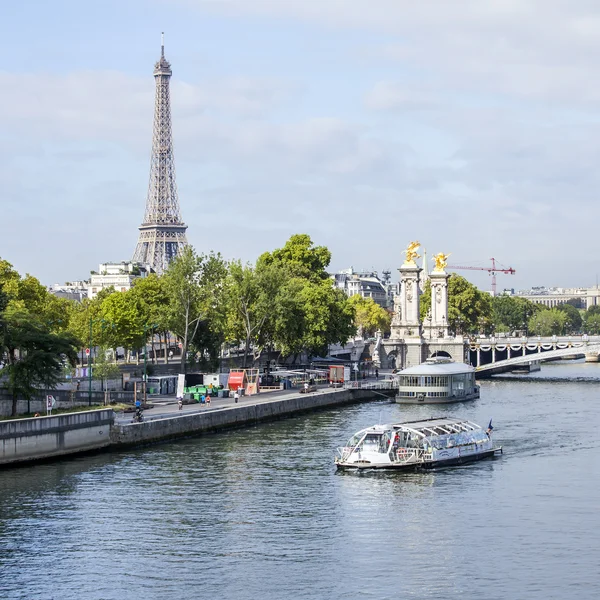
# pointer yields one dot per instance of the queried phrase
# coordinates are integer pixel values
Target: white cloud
(390, 95)
(470, 124)
(544, 49)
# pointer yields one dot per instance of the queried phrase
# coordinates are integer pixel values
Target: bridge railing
(533, 339)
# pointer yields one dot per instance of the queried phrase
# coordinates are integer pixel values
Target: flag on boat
(490, 428)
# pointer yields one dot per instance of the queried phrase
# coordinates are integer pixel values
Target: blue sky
(471, 126)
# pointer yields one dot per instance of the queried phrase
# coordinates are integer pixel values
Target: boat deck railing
(343, 453)
(399, 455)
(406, 455)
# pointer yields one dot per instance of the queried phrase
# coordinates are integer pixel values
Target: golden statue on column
(411, 254)
(441, 260)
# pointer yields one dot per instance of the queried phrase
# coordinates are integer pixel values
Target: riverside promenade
(168, 422)
(52, 437)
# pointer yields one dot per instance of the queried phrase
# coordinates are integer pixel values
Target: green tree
(310, 313)
(592, 323)
(300, 257)
(369, 316)
(3, 299)
(511, 313)
(28, 294)
(120, 322)
(152, 302)
(34, 356)
(328, 317)
(289, 318)
(103, 368)
(252, 293)
(548, 322)
(469, 309)
(194, 285)
(87, 323)
(574, 319)
(9, 279)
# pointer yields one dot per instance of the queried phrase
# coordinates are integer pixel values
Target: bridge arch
(392, 358)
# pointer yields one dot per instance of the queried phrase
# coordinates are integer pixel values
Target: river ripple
(262, 513)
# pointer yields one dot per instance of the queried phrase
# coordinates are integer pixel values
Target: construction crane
(495, 268)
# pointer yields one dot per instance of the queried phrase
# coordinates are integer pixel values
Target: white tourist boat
(425, 444)
(437, 381)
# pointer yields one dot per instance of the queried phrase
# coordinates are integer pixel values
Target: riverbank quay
(43, 438)
(63, 398)
(168, 423)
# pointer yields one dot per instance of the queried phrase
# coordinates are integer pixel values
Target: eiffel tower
(162, 234)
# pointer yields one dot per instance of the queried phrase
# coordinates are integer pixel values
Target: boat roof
(437, 426)
(438, 368)
(426, 427)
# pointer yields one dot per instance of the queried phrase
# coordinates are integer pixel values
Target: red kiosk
(243, 379)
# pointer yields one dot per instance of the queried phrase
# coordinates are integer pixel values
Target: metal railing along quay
(386, 384)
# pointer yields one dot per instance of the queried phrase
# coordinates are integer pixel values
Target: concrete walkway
(166, 407)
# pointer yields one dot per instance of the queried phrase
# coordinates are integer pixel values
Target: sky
(471, 126)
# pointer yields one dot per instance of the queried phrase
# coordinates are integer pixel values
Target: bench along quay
(27, 440)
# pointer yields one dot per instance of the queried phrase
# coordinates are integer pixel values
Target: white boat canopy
(433, 427)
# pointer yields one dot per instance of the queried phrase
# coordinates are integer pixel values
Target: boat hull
(422, 465)
(440, 400)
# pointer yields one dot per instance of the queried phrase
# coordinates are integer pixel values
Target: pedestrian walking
(236, 396)
(180, 403)
(208, 399)
(376, 373)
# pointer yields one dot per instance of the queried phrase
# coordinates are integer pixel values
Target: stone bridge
(497, 355)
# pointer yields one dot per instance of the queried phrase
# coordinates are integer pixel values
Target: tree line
(473, 312)
(286, 302)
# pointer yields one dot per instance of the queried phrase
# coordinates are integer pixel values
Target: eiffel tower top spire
(163, 66)
(162, 234)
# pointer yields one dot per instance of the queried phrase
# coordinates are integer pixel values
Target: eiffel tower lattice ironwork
(162, 234)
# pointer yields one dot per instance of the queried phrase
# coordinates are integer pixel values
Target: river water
(261, 513)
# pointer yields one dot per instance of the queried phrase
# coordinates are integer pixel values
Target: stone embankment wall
(64, 399)
(46, 437)
(233, 416)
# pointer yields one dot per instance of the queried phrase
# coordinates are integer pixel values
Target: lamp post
(146, 328)
(102, 338)
(90, 366)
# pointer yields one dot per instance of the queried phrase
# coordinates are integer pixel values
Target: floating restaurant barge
(437, 381)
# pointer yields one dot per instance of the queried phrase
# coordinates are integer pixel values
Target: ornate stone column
(406, 322)
(439, 298)
(439, 304)
(410, 322)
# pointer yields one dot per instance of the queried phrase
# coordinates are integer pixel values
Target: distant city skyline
(470, 126)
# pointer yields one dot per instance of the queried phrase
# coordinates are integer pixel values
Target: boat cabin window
(464, 438)
(375, 442)
(371, 441)
(355, 439)
(423, 381)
